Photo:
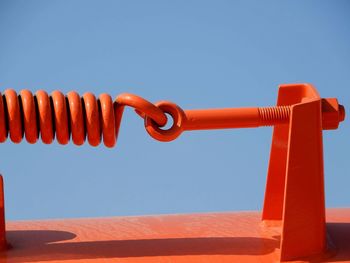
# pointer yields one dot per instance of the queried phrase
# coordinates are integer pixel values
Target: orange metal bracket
(295, 181)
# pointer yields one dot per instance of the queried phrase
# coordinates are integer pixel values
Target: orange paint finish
(293, 226)
(61, 116)
(332, 113)
(29, 116)
(44, 114)
(229, 118)
(13, 116)
(216, 237)
(295, 188)
(76, 118)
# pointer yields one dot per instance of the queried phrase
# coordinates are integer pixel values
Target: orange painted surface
(216, 237)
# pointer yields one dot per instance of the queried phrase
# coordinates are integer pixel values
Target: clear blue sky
(199, 54)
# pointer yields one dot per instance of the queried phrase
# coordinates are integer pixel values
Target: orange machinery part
(293, 218)
(332, 114)
(68, 115)
(62, 116)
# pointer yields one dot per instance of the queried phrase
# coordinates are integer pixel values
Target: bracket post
(295, 182)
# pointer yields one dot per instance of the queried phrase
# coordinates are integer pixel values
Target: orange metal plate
(213, 237)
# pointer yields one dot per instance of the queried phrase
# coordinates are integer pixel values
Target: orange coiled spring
(68, 116)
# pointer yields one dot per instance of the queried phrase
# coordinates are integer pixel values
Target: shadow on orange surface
(49, 245)
(340, 237)
(43, 246)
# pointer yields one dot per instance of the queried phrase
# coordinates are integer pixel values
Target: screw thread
(274, 115)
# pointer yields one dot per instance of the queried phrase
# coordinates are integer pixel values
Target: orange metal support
(295, 187)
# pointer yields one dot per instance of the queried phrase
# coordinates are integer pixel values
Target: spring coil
(69, 116)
